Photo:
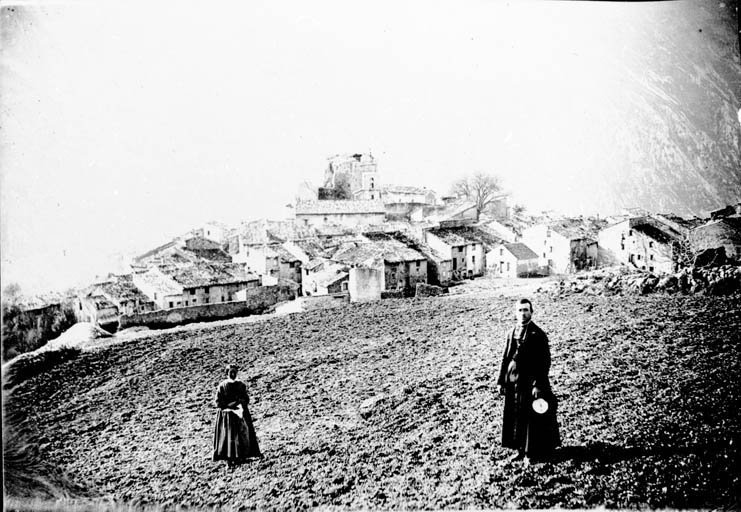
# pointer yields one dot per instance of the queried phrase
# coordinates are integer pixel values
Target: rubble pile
(391, 404)
(720, 280)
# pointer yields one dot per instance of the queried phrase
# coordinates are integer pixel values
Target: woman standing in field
(234, 436)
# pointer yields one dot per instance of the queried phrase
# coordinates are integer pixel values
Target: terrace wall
(257, 302)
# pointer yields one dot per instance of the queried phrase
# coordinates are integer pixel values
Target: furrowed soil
(391, 404)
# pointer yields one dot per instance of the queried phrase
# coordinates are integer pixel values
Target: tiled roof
(425, 250)
(655, 233)
(312, 248)
(457, 236)
(169, 245)
(160, 282)
(208, 274)
(330, 207)
(100, 302)
(122, 288)
(277, 250)
(728, 228)
(577, 228)
(521, 251)
(390, 250)
(331, 274)
(401, 189)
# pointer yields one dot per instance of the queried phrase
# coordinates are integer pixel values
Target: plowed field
(391, 404)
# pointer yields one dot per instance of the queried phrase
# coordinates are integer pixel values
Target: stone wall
(258, 301)
(315, 302)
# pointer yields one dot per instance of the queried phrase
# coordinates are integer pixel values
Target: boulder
(428, 290)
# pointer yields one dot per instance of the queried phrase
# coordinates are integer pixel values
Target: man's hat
(540, 406)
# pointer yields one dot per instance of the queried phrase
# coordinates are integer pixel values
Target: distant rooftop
(462, 235)
(209, 274)
(122, 288)
(521, 251)
(577, 228)
(387, 249)
(329, 207)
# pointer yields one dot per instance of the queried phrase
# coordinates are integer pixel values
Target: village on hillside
(356, 238)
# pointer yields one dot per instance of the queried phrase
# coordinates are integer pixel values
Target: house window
(170, 303)
(639, 256)
(501, 252)
(325, 219)
(180, 303)
(544, 255)
(630, 232)
(551, 248)
(501, 267)
(418, 264)
(508, 266)
(650, 244)
(155, 295)
(206, 300)
(205, 290)
(344, 286)
(548, 233)
(222, 298)
(622, 246)
(643, 267)
(186, 302)
(550, 263)
(192, 291)
(651, 257)
(195, 301)
(373, 185)
(651, 269)
(473, 259)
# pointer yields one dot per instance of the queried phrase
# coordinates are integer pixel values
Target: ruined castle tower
(353, 176)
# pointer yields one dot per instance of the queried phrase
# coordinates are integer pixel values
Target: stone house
(205, 283)
(97, 309)
(462, 247)
(723, 232)
(214, 231)
(726, 211)
(439, 268)
(164, 291)
(325, 278)
(403, 267)
(181, 251)
(513, 260)
(640, 242)
(564, 245)
(124, 294)
(345, 213)
(407, 203)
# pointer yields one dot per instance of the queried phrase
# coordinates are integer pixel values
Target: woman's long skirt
(234, 437)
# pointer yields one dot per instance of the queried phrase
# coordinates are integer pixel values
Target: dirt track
(390, 404)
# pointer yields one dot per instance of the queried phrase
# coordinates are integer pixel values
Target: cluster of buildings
(356, 236)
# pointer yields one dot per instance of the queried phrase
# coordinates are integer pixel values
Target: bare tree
(480, 188)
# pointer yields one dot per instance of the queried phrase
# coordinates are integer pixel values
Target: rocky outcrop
(721, 280)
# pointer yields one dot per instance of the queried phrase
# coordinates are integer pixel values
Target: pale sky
(126, 123)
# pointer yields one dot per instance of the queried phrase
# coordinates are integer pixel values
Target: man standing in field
(529, 424)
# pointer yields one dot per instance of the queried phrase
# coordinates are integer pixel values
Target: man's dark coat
(524, 369)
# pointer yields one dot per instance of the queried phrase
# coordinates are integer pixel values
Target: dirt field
(391, 404)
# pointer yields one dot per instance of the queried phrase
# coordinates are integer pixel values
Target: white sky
(126, 123)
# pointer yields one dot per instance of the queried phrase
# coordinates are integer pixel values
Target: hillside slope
(390, 404)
